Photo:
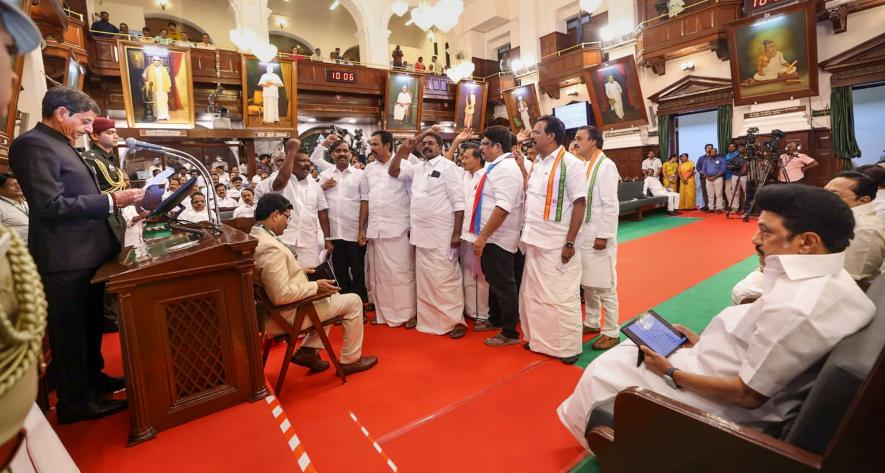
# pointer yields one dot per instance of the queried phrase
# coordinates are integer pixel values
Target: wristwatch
(569, 244)
(669, 379)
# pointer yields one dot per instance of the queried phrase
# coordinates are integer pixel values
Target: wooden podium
(188, 332)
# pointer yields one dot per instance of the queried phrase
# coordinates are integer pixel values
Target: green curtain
(723, 127)
(842, 124)
(664, 137)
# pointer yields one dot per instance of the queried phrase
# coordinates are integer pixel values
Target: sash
(555, 181)
(477, 199)
(591, 174)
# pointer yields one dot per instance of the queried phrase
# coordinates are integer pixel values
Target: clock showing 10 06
(333, 75)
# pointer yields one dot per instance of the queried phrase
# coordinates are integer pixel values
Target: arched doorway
(352, 54)
(160, 21)
(286, 41)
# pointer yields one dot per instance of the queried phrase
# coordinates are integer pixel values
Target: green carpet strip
(652, 223)
(694, 308)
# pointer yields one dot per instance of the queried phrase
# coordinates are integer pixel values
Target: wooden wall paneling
(438, 110)
(556, 41)
(689, 32)
(103, 57)
(438, 87)
(816, 143)
(328, 104)
(312, 76)
(203, 63)
(558, 71)
(629, 160)
(497, 84)
(485, 67)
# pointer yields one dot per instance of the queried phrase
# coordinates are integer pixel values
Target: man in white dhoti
(615, 95)
(654, 186)
(555, 204)
(270, 84)
(523, 108)
(384, 227)
(771, 63)
(402, 108)
(158, 82)
(754, 363)
(436, 215)
(308, 229)
(599, 280)
(476, 288)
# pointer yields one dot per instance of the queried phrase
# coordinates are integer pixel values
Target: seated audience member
(653, 185)
(749, 289)
(754, 363)
(224, 202)
(420, 66)
(172, 186)
(317, 55)
(864, 256)
(172, 31)
(163, 38)
(876, 173)
(146, 34)
(236, 187)
(124, 29)
(103, 28)
(13, 206)
(223, 178)
(183, 40)
(205, 42)
(247, 204)
(197, 211)
(284, 279)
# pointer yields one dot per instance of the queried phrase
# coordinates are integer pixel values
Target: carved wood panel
(629, 160)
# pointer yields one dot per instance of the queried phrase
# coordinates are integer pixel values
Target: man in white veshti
(270, 84)
(615, 93)
(754, 363)
(309, 225)
(771, 63)
(653, 184)
(598, 238)
(436, 216)
(384, 227)
(555, 203)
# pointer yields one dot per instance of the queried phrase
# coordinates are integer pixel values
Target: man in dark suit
(70, 238)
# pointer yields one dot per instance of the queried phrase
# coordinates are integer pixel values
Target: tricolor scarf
(555, 186)
(477, 199)
(591, 173)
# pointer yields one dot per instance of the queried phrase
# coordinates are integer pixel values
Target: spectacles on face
(485, 143)
(287, 215)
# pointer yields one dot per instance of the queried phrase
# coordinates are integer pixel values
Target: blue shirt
(700, 162)
(712, 166)
(728, 157)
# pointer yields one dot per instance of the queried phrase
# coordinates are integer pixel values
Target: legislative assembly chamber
(562, 236)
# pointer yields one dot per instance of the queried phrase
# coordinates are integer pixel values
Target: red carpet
(433, 404)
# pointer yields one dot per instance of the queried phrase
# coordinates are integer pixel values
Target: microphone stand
(204, 173)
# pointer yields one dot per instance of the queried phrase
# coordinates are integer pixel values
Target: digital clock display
(333, 75)
(752, 7)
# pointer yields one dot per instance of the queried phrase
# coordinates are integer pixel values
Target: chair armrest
(689, 439)
(296, 304)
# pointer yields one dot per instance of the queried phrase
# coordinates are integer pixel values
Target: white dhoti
(599, 279)
(614, 371)
(271, 108)
(392, 279)
(549, 304)
(476, 288)
(161, 104)
(439, 286)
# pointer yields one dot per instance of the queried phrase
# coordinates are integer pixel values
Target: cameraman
(735, 176)
(794, 165)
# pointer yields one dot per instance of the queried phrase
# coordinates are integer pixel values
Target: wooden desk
(188, 332)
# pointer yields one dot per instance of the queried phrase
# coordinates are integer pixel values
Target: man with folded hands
(754, 363)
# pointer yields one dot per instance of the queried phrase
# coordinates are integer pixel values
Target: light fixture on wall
(688, 66)
(334, 5)
(281, 22)
(163, 4)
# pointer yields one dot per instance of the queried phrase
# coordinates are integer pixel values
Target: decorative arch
(165, 17)
(352, 53)
(293, 39)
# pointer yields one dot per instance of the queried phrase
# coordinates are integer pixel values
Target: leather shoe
(309, 358)
(569, 360)
(105, 383)
(411, 323)
(590, 330)
(364, 363)
(96, 408)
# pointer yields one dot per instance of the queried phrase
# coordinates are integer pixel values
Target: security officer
(102, 159)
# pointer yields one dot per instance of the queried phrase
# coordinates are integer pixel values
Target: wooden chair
(304, 309)
(839, 427)
(256, 104)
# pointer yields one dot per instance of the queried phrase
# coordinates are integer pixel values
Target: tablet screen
(656, 333)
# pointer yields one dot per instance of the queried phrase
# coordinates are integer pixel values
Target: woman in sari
(686, 182)
(669, 172)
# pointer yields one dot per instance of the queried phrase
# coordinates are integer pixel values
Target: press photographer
(793, 165)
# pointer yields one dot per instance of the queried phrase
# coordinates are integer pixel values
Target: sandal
(605, 342)
(458, 332)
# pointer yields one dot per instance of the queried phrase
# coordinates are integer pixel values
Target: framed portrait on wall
(523, 107)
(774, 57)
(270, 96)
(403, 102)
(157, 85)
(470, 104)
(615, 94)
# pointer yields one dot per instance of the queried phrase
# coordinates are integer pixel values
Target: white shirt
(244, 211)
(550, 234)
(652, 164)
(809, 304)
(14, 216)
(134, 231)
(227, 203)
(880, 203)
(749, 287)
(307, 198)
(192, 215)
(436, 196)
(344, 202)
(864, 256)
(468, 186)
(388, 199)
(234, 193)
(654, 185)
(503, 188)
(605, 206)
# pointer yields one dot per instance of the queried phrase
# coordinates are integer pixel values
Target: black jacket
(69, 228)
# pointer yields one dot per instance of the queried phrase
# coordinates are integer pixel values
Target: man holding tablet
(751, 364)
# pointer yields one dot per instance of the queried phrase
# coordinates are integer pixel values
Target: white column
(529, 45)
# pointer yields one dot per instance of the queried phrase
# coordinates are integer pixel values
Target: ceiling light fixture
(163, 4)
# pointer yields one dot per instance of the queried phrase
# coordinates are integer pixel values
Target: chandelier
(444, 14)
(461, 70)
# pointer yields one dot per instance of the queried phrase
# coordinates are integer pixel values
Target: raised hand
(465, 135)
(330, 138)
(292, 145)
(523, 135)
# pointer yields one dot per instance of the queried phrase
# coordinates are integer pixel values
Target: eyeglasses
(485, 143)
(288, 215)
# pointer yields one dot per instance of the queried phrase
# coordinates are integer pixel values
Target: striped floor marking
(374, 443)
(293, 440)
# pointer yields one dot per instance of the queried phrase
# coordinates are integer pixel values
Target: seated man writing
(285, 281)
(754, 363)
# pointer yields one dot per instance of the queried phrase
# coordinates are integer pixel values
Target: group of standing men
(434, 239)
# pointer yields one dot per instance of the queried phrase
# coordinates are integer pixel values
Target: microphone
(132, 143)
